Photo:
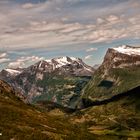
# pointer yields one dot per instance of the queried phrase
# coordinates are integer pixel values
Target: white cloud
(100, 20)
(28, 5)
(39, 34)
(4, 60)
(88, 57)
(134, 20)
(91, 49)
(45, 25)
(3, 55)
(24, 61)
(112, 18)
(30, 58)
(16, 64)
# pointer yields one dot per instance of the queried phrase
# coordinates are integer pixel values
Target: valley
(63, 99)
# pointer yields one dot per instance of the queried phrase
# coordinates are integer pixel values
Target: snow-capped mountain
(122, 56)
(119, 73)
(62, 61)
(9, 74)
(125, 49)
(58, 80)
(13, 72)
(64, 66)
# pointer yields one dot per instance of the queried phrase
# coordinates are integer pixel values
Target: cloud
(4, 60)
(24, 61)
(16, 65)
(30, 58)
(39, 34)
(100, 20)
(28, 5)
(3, 55)
(88, 57)
(91, 49)
(112, 18)
(65, 22)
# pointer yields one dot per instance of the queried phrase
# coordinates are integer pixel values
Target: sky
(32, 30)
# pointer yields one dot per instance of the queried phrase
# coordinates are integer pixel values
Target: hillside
(111, 99)
(119, 73)
(59, 80)
(119, 116)
(19, 121)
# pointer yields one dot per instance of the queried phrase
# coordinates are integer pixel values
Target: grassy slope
(120, 117)
(122, 81)
(19, 121)
(113, 120)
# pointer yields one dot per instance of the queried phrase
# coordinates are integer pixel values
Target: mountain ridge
(58, 80)
(118, 73)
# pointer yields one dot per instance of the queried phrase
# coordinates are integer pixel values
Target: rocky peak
(51, 80)
(62, 61)
(13, 71)
(122, 56)
(8, 74)
(128, 50)
(62, 66)
(119, 73)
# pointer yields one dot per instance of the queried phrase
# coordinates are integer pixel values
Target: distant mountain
(59, 81)
(119, 73)
(66, 66)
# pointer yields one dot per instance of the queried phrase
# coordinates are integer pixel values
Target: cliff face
(116, 58)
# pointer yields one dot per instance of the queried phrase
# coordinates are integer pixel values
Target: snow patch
(48, 60)
(62, 61)
(74, 59)
(128, 50)
(88, 69)
(13, 72)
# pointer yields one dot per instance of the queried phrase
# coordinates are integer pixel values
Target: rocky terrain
(111, 99)
(119, 73)
(58, 81)
(118, 119)
(106, 107)
(20, 121)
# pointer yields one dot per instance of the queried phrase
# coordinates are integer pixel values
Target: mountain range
(105, 101)
(57, 81)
